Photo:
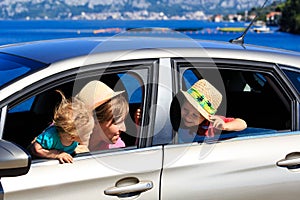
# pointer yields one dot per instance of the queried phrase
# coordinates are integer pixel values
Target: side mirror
(14, 160)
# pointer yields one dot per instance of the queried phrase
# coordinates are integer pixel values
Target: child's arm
(235, 124)
(39, 151)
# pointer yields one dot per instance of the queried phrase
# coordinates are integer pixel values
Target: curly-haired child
(72, 126)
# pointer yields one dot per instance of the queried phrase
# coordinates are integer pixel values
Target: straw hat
(95, 93)
(204, 97)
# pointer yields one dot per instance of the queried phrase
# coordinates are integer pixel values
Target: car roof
(51, 51)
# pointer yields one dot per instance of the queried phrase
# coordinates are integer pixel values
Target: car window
(132, 86)
(26, 119)
(189, 78)
(295, 78)
(255, 96)
(24, 106)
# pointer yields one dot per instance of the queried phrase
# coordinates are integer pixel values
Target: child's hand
(217, 122)
(64, 157)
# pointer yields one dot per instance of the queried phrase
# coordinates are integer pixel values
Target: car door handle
(129, 187)
(291, 161)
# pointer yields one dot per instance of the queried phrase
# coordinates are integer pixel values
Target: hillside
(120, 9)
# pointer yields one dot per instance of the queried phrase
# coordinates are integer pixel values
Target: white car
(259, 85)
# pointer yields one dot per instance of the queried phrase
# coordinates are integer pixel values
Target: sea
(16, 31)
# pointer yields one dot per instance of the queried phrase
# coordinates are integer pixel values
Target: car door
(256, 164)
(130, 172)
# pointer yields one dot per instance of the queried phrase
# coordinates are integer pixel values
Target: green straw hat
(204, 97)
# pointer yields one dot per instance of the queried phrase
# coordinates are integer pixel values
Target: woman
(110, 109)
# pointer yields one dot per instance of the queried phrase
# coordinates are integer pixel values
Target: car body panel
(237, 169)
(56, 50)
(90, 175)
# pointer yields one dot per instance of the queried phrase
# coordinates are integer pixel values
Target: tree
(290, 19)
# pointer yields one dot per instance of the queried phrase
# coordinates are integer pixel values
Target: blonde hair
(70, 115)
(114, 109)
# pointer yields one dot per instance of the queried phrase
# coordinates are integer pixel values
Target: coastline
(14, 31)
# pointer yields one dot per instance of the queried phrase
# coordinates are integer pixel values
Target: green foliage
(290, 20)
(262, 12)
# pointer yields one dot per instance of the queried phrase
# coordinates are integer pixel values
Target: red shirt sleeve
(228, 119)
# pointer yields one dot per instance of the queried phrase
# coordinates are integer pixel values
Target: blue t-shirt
(49, 139)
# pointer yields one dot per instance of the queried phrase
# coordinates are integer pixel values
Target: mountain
(120, 9)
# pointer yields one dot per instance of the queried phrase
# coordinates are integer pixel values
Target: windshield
(13, 67)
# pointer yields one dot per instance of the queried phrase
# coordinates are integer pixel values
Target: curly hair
(70, 115)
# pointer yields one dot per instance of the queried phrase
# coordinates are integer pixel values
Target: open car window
(28, 118)
(255, 96)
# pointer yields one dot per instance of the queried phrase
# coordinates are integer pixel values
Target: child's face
(190, 116)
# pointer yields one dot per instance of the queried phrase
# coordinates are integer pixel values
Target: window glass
(133, 87)
(294, 77)
(22, 107)
(7, 75)
(189, 78)
(12, 67)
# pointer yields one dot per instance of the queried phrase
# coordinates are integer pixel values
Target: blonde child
(72, 126)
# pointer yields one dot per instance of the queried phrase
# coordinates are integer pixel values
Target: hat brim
(193, 102)
(97, 104)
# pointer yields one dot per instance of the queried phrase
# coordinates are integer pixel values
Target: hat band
(202, 100)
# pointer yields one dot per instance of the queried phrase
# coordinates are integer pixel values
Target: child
(72, 124)
(198, 119)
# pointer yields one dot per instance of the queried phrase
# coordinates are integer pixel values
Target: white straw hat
(204, 97)
(95, 93)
